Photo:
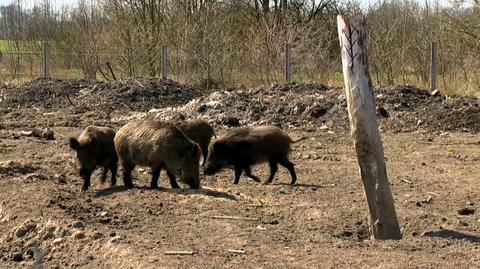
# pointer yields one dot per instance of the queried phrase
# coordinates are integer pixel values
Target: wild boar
(158, 145)
(94, 147)
(199, 131)
(246, 146)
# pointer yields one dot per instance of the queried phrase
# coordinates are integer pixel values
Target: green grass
(8, 45)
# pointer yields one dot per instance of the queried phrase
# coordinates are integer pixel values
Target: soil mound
(139, 94)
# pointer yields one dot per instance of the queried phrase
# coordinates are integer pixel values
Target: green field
(8, 45)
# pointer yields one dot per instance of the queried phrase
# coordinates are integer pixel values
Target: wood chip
(179, 252)
(254, 205)
(237, 251)
(233, 217)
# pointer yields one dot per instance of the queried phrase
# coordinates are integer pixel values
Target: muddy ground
(432, 147)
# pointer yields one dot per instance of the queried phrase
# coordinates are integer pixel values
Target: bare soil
(321, 222)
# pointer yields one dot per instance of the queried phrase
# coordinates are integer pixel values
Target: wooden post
(45, 59)
(164, 62)
(287, 62)
(433, 67)
(364, 127)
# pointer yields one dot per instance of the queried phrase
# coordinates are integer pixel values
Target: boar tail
(300, 139)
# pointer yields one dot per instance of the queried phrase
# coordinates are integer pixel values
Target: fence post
(287, 62)
(433, 67)
(164, 62)
(364, 128)
(45, 59)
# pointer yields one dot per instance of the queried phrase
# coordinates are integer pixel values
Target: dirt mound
(80, 103)
(281, 105)
(139, 94)
(400, 108)
(409, 109)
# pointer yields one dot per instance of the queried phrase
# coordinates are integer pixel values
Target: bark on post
(364, 127)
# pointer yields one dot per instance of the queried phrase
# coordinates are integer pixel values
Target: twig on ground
(179, 252)
(233, 217)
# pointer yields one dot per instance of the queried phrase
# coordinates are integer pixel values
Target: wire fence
(42, 62)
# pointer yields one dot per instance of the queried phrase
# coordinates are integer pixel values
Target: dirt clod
(466, 211)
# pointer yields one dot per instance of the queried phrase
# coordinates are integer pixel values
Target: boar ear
(74, 144)
(194, 150)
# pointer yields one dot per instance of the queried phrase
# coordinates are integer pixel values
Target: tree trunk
(364, 127)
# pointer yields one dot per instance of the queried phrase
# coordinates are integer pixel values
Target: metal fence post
(433, 67)
(164, 62)
(287, 62)
(45, 60)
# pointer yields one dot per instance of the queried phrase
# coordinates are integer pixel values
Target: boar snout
(209, 169)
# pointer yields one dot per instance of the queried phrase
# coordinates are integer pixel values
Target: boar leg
(289, 165)
(127, 174)
(104, 174)
(155, 176)
(238, 173)
(273, 170)
(86, 175)
(204, 154)
(113, 170)
(173, 180)
(248, 172)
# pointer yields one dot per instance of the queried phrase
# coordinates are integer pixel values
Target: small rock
(77, 234)
(103, 214)
(260, 227)
(97, 235)
(419, 122)
(231, 121)
(60, 178)
(26, 227)
(57, 241)
(115, 239)
(28, 254)
(202, 108)
(466, 211)
(469, 203)
(17, 257)
(78, 224)
(383, 112)
(346, 233)
(35, 176)
(435, 93)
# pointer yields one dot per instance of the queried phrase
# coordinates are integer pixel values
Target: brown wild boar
(158, 145)
(246, 146)
(94, 147)
(199, 131)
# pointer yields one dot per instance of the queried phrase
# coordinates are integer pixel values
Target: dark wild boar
(158, 145)
(246, 146)
(94, 147)
(199, 131)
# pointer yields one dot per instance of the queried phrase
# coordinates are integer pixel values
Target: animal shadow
(303, 185)
(203, 191)
(116, 189)
(449, 234)
(180, 191)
